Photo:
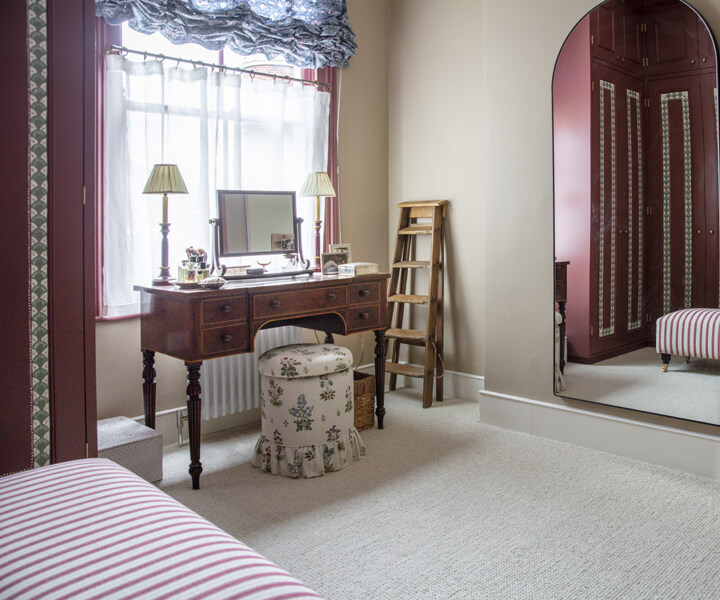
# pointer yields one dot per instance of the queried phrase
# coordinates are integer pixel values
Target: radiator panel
(231, 384)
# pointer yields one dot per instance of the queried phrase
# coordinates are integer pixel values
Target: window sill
(105, 319)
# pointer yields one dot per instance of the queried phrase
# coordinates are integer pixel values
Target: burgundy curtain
(331, 220)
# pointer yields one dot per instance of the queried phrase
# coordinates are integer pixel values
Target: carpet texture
(445, 507)
(635, 380)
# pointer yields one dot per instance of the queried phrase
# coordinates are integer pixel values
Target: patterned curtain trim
(38, 235)
(305, 33)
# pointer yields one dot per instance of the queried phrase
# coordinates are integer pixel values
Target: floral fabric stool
(306, 399)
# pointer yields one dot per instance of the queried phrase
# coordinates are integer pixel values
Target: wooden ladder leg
(432, 308)
(398, 281)
(400, 307)
(439, 364)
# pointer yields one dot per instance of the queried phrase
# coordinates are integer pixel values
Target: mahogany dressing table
(197, 324)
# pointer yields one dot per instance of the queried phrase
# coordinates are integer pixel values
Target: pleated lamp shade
(318, 184)
(165, 179)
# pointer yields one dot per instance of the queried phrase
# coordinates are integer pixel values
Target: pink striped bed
(91, 529)
(689, 332)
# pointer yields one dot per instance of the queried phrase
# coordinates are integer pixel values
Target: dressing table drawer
(365, 317)
(363, 293)
(224, 309)
(224, 340)
(286, 303)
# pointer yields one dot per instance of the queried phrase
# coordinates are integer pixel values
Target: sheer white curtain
(224, 131)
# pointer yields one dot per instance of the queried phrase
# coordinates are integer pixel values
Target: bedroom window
(224, 130)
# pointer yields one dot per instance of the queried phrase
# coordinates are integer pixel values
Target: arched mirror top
(635, 135)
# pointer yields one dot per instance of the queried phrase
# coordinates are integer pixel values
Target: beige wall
(364, 208)
(436, 134)
(363, 149)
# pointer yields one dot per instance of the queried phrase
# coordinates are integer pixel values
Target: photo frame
(282, 241)
(342, 248)
(331, 260)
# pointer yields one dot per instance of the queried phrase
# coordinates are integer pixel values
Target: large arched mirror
(636, 210)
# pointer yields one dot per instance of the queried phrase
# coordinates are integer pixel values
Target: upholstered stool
(690, 332)
(306, 399)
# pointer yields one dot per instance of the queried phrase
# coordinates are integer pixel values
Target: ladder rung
(412, 264)
(409, 298)
(416, 230)
(407, 334)
(404, 369)
(423, 203)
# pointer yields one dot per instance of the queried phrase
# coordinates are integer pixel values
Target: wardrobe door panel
(16, 422)
(676, 172)
(618, 232)
(708, 98)
(616, 36)
(672, 41)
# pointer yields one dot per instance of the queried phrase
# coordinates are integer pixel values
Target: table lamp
(164, 179)
(317, 184)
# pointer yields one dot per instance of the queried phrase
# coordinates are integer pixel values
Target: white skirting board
(166, 423)
(455, 385)
(670, 447)
(687, 451)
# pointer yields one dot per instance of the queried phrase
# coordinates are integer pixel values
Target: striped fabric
(91, 529)
(690, 332)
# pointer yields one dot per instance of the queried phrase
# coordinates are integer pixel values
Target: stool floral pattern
(302, 414)
(307, 411)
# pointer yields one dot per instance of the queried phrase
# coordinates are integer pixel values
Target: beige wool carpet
(635, 380)
(445, 507)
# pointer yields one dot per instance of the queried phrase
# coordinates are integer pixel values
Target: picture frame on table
(330, 261)
(342, 248)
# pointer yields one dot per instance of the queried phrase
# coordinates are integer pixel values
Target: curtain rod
(122, 50)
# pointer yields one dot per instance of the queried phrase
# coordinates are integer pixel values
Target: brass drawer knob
(711, 232)
(699, 232)
(364, 293)
(275, 303)
(364, 316)
(226, 337)
(226, 308)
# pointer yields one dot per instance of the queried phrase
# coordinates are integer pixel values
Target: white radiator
(232, 384)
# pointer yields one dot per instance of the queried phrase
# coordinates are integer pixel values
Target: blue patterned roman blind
(305, 33)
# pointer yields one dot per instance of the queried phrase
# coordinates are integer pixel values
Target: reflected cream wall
(363, 192)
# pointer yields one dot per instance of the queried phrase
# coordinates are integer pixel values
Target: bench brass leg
(666, 362)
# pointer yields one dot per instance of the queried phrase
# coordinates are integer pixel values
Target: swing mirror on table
(635, 138)
(256, 224)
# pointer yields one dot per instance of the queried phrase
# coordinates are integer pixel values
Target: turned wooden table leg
(329, 338)
(149, 387)
(194, 406)
(380, 376)
(563, 358)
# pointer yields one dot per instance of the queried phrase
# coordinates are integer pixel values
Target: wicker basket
(364, 400)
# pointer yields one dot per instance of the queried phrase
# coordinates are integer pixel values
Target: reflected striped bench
(691, 332)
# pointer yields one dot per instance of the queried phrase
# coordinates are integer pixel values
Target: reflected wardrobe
(635, 105)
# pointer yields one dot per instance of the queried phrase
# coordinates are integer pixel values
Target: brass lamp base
(164, 277)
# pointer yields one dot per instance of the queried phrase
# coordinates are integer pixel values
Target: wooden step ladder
(422, 218)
